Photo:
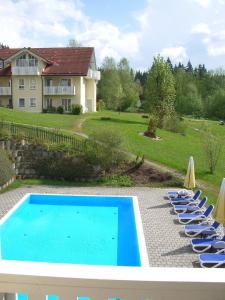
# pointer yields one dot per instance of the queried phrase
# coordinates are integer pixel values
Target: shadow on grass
(119, 121)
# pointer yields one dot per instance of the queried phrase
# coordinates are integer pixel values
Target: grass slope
(65, 122)
(172, 150)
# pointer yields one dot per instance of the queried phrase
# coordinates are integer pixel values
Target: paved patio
(166, 244)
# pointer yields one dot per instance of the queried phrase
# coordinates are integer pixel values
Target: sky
(136, 29)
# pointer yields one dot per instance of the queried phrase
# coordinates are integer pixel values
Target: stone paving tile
(166, 245)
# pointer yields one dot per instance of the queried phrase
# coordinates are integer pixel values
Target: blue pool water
(95, 230)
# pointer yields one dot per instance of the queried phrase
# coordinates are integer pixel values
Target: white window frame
(32, 84)
(33, 102)
(23, 102)
(21, 84)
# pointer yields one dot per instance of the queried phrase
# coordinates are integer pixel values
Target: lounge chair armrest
(220, 251)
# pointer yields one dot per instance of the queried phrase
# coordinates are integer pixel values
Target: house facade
(33, 79)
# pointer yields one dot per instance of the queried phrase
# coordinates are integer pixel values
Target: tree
(109, 87)
(2, 46)
(73, 43)
(213, 148)
(130, 89)
(160, 90)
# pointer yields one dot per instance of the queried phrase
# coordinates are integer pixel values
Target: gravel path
(166, 244)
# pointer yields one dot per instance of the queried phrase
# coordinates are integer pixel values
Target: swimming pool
(69, 229)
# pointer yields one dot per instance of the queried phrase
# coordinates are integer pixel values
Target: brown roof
(66, 61)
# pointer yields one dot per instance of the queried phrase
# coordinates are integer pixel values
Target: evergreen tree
(170, 64)
(189, 67)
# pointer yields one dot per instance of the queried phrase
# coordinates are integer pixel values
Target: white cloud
(201, 28)
(215, 43)
(177, 54)
(204, 3)
(109, 40)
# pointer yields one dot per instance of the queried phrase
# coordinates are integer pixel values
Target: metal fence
(41, 134)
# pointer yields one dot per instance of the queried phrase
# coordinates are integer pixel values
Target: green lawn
(65, 122)
(172, 150)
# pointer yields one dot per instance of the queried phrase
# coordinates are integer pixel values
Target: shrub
(60, 109)
(76, 109)
(152, 126)
(67, 168)
(6, 172)
(44, 110)
(104, 149)
(213, 147)
(101, 105)
(52, 110)
(174, 124)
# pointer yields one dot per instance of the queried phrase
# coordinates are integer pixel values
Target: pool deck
(167, 246)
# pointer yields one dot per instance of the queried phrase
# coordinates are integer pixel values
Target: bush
(152, 126)
(6, 172)
(104, 150)
(67, 168)
(174, 124)
(52, 110)
(76, 109)
(101, 105)
(60, 109)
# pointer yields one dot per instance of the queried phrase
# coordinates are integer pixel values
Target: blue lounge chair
(187, 200)
(187, 218)
(212, 260)
(202, 245)
(178, 194)
(206, 230)
(191, 207)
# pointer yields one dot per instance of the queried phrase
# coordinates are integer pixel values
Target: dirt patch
(146, 174)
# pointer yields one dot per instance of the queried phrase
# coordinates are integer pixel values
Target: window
(48, 82)
(33, 62)
(65, 82)
(1, 64)
(32, 84)
(21, 102)
(21, 84)
(32, 102)
(66, 103)
(48, 103)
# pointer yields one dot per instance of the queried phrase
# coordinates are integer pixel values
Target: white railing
(5, 91)
(33, 62)
(59, 90)
(25, 70)
(101, 283)
(94, 74)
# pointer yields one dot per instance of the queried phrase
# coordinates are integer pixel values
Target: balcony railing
(5, 91)
(59, 90)
(25, 70)
(96, 75)
(101, 283)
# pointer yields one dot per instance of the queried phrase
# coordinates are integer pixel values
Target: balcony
(5, 91)
(26, 67)
(25, 71)
(59, 90)
(101, 283)
(96, 75)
